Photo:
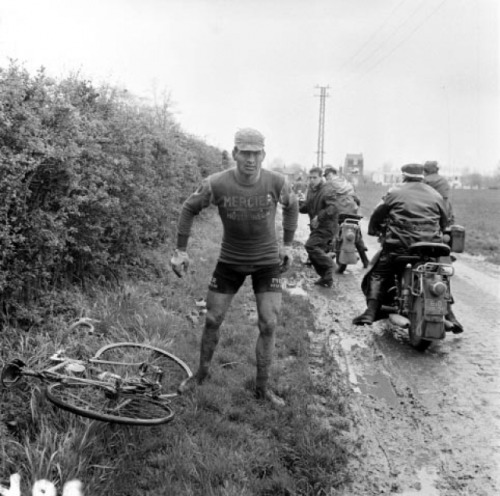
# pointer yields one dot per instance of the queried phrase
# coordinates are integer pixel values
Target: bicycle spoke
(102, 403)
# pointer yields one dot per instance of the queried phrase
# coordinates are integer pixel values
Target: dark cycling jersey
(248, 214)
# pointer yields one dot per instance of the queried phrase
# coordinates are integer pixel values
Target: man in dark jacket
(319, 205)
(440, 184)
(409, 213)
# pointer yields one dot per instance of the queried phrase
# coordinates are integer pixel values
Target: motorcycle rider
(440, 184)
(319, 205)
(347, 202)
(410, 212)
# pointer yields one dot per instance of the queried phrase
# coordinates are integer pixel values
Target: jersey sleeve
(199, 200)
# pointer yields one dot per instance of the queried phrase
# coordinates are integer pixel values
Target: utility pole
(321, 130)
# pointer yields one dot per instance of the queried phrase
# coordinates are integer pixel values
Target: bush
(89, 178)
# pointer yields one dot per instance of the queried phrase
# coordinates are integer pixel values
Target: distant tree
(494, 181)
(277, 164)
(474, 180)
(387, 166)
(295, 168)
(89, 179)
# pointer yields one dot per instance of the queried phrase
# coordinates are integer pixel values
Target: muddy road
(429, 423)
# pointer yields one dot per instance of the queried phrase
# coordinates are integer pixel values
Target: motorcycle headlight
(438, 288)
(350, 236)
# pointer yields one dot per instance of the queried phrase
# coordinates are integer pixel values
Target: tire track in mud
(428, 423)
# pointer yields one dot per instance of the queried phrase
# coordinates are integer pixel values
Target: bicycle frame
(13, 372)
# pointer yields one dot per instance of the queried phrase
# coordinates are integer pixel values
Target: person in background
(409, 213)
(440, 184)
(300, 186)
(346, 202)
(247, 197)
(343, 188)
(319, 205)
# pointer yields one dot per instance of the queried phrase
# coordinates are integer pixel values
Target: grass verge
(222, 441)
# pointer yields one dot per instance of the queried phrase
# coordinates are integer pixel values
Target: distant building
(393, 177)
(386, 177)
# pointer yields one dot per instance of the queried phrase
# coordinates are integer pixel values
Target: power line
(410, 34)
(398, 45)
(373, 35)
(379, 46)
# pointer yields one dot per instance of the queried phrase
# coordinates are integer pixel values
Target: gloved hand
(179, 262)
(286, 258)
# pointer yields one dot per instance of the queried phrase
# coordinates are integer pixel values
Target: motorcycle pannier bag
(457, 234)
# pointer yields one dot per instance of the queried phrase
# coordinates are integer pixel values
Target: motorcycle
(348, 243)
(420, 297)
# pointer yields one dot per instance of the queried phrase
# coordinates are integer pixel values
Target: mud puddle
(429, 423)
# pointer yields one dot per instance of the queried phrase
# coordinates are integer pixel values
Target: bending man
(323, 216)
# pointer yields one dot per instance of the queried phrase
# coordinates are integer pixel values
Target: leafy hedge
(89, 178)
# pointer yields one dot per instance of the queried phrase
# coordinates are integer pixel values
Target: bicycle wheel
(127, 359)
(100, 402)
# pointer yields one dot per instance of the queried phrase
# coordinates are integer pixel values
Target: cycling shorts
(228, 279)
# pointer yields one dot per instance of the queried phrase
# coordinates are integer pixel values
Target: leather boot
(364, 258)
(326, 280)
(457, 326)
(368, 316)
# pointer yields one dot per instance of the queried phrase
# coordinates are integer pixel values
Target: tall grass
(479, 212)
(222, 440)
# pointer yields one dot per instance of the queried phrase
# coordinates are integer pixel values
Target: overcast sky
(409, 80)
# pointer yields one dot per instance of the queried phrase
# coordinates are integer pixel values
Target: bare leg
(217, 305)
(268, 308)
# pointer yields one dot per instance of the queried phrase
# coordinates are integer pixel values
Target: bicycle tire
(99, 402)
(124, 359)
(416, 326)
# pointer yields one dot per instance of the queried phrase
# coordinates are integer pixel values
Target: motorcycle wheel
(416, 323)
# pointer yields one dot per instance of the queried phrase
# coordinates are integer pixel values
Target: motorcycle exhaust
(399, 320)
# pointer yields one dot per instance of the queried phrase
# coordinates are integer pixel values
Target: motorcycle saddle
(434, 250)
(343, 217)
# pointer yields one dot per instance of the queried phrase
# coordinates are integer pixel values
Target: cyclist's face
(248, 163)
